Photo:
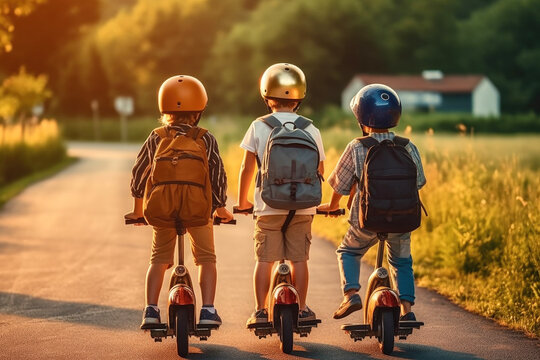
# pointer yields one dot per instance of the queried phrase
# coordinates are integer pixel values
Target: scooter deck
(267, 328)
(202, 331)
(360, 331)
(263, 325)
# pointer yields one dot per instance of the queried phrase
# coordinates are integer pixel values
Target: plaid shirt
(349, 170)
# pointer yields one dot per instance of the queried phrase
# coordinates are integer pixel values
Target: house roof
(448, 84)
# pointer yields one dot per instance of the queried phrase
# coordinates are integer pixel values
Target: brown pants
(202, 244)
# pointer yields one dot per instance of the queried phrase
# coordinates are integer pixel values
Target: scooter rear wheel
(286, 330)
(386, 340)
(182, 332)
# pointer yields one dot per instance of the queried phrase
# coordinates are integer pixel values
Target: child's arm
(247, 169)
(137, 210)
(332, 205)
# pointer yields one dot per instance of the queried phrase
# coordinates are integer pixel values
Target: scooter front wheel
(286, 330)
(182, 332)
(386, 339)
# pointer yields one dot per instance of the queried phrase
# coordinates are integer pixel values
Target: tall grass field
(480, 243)
(25, 151)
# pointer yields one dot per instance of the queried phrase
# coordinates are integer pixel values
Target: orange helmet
(182, 93)
(283, 81)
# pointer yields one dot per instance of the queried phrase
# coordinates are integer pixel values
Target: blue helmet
(376, 106)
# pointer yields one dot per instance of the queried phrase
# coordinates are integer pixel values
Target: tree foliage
(9, 11)
(20, 93)
(134, 45)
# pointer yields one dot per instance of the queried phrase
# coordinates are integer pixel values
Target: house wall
(486, 99)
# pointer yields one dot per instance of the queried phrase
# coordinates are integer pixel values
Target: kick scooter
(283, 304)
(381, 315)
(182, 303)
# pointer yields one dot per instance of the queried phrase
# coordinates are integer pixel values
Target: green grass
(12, 189)
(479, 245)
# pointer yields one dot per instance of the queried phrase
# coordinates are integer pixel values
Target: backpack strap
(302, 123)
(368, 141)
(196, 132)
(288, 220)
(162, 131)
(398, 140)
(271, 121)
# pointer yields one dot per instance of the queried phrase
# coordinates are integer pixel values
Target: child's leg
(400, 260)
(268, 248)
(204, 256)
(297, 242)
(162, 258)
(300, 278)
(261, 283)
(154, 281)
(208, 282)
(354, 245)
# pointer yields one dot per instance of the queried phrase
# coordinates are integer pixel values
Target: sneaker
(408, 317)
(306, 315)
(258, 317)
(348, 306)
(151, 318)
(208, 318)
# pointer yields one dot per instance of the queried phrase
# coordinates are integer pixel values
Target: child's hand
(328, 208)
(224, 214)
(134, 216)
(244, 205)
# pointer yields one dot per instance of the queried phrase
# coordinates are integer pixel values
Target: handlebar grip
(140, 220)
(218, 221)
(337, 212)
(235, 210)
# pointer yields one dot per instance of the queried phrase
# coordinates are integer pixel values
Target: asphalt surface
(72, 284)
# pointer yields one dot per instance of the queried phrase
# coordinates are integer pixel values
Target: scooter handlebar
(218, 221)
(337, 212)
(140, 220)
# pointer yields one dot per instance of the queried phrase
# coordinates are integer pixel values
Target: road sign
(124, 105)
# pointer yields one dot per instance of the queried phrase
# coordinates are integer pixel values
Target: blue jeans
(357, 242)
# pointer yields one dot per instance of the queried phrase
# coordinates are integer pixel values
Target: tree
(165, 38)
(330, 40)
(9, 11)
(45, 41)
(501, 41)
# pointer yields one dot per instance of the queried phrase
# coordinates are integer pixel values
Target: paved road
(72, 276)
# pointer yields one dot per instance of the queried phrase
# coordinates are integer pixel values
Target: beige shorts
(202, 244)
(271, 245)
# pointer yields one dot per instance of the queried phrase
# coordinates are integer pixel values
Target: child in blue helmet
(377, 108)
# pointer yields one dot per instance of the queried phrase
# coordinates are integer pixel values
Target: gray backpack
(289, 178)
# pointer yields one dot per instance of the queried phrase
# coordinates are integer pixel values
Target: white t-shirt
(255, 142)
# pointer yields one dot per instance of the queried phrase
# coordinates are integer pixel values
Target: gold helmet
(283, 81)
(182, 93)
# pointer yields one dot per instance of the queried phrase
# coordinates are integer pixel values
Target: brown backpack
(178, 192)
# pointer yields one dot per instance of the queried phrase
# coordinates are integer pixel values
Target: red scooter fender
(283, 295)
(383, 298)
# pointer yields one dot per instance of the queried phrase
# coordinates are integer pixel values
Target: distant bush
(333, 115)
(21, 154)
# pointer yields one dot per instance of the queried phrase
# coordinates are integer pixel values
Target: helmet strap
(297, 106)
